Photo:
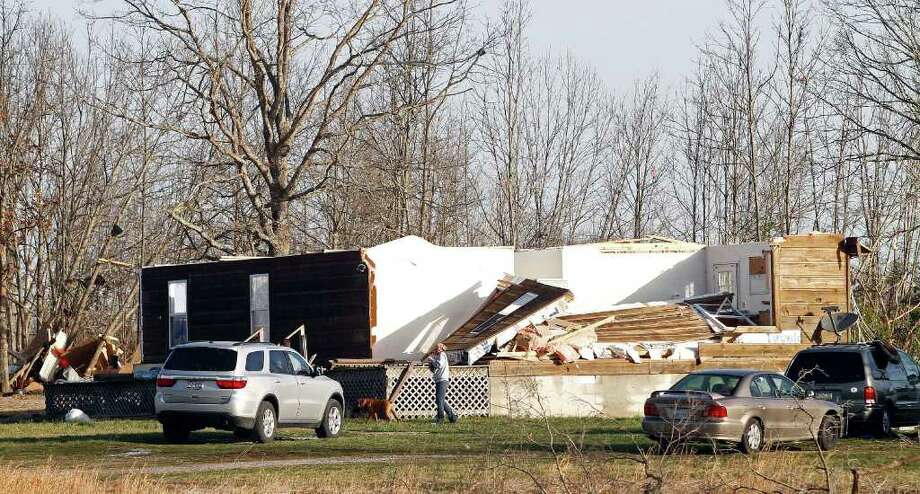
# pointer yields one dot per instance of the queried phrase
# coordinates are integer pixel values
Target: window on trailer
(178, 312)
(258, 305)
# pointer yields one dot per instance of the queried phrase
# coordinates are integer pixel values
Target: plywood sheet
(757, 265)
(809, 272)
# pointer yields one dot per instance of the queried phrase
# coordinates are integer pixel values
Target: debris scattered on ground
(76, 416)
(528, 320)
(134, 453)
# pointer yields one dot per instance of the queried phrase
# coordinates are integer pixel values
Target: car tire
(883, 423)
(332, 420)
(266, 423)
(829, 432)
(175, 433)
(754, 437)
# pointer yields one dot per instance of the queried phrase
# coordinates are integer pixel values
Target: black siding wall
(327, 292)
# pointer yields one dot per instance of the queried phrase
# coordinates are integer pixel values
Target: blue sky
(622, 39)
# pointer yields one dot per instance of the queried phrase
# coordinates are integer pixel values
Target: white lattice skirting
(468, 393)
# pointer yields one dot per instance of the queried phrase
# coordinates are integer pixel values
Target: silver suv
(249, 388)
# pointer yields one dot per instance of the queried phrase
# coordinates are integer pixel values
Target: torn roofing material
(516, 303)
(647, 323)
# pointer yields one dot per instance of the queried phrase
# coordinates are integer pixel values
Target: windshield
(201, 359)
(723, 384)
(827, 368)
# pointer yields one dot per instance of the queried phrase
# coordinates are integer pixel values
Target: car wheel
(175, 433)
(883, 424)
(266, 423)
(753, 438)
(332, 420)
(829, 432)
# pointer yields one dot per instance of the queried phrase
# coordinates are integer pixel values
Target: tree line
(192, 129)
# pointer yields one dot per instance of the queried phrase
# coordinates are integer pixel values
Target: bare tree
(500, 112)
(876, 66)
(301, 67)
(641, 149)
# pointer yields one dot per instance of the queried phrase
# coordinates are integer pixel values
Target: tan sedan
(748, 407)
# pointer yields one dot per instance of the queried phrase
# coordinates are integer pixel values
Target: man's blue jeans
(441, 388)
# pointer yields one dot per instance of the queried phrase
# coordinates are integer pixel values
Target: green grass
(477, 447)
(71, 443)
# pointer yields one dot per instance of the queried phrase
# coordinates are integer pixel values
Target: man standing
(440, 370)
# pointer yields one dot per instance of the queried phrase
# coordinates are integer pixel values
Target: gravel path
(333, 460)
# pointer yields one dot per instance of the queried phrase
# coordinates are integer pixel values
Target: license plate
(680, 414)
(193, 386)
(824, 395)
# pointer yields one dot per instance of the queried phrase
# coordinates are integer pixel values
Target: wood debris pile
(634, 332)
(54, 360)
(527, 320)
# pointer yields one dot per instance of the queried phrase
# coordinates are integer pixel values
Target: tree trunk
(4, 330)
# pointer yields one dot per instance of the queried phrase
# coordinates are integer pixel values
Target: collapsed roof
(515, 304)
(647, 322)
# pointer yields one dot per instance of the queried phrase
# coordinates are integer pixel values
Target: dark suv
(877, 384)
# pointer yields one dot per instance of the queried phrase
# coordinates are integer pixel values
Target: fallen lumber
(748, 350)
(582, 330)
(529, 355)
(403, 377)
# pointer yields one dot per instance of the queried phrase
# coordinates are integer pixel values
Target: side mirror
(810, 393)
(913, 379)
(319, 371)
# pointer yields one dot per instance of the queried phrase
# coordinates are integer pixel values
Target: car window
(298, 363)
(760, 387)
(201, 359)
(909, 365)
(255, 361)
(881, 356)
(279, 363)
(784, 387)
(710, 383)
(827, 368)
(895, 371)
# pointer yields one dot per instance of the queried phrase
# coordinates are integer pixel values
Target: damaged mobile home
(590, 320)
